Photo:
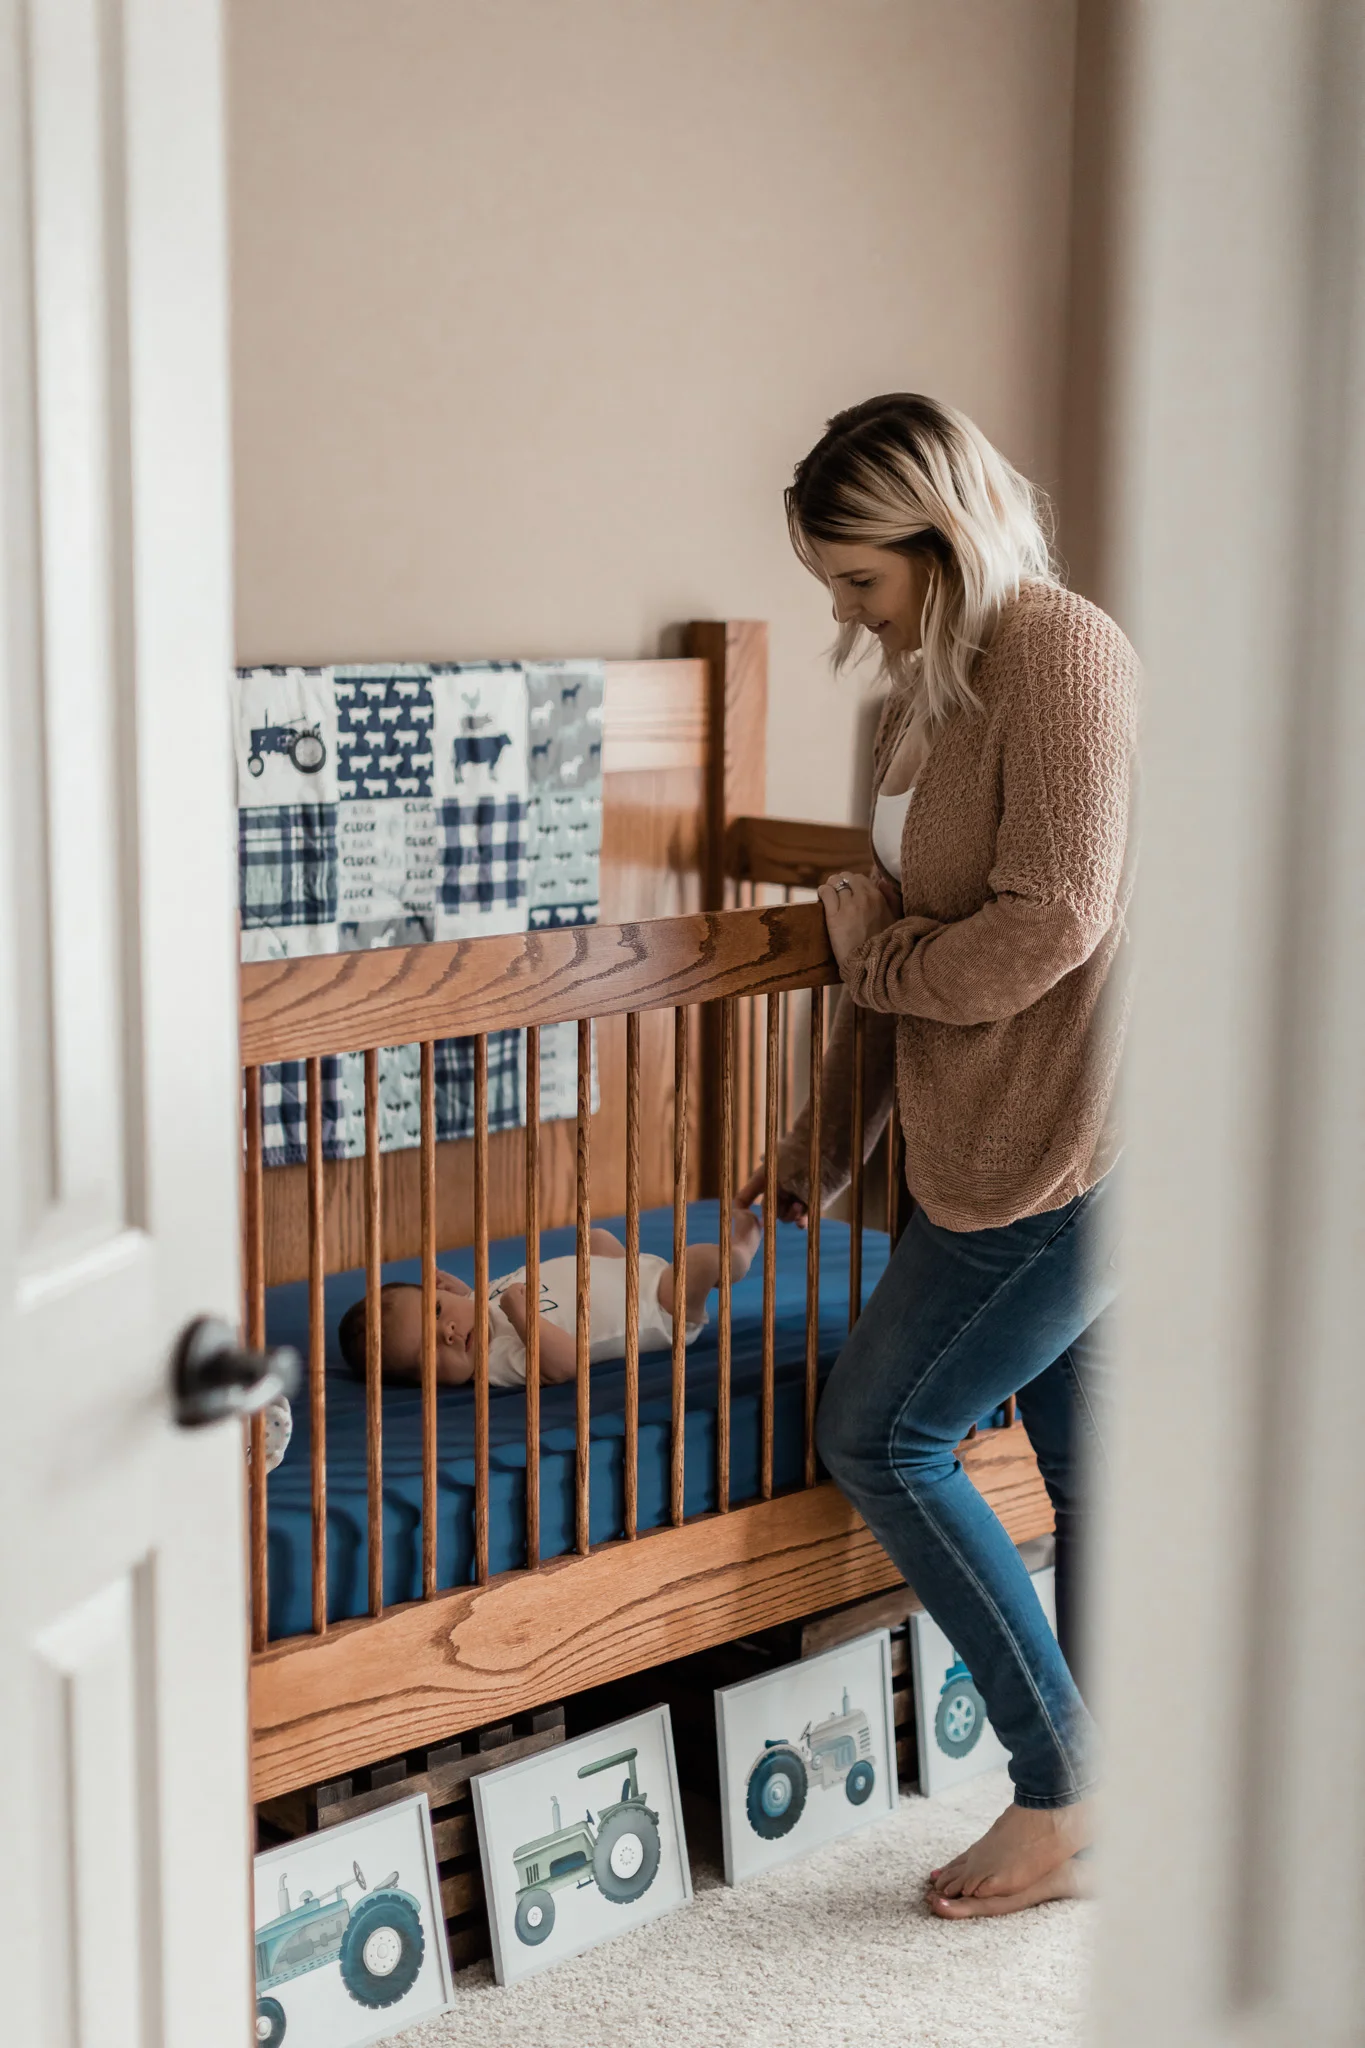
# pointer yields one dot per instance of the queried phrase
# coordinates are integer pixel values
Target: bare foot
(1016, 1852)
(1070, 1880)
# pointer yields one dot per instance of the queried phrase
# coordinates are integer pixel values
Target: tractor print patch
(580, 1843)
(348, 1932)
(833, 1755)
(807, 1753)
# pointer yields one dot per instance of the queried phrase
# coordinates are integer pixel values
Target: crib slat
(533, 1297)
(815, 1170)
(481, 1309)
(895, 1174)
(855, 1239)
(769, 1249)
(632, 1473)
(428, 1225)
(679, 1384)
(1011, 1412)
(374, 1396)
(787, 1111)
(583, 1325)
(317, 1346)
(254, 1220)
(727, 1202)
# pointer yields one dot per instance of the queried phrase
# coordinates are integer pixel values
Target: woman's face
(878, 588)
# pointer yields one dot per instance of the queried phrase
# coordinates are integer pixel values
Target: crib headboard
(683, 756)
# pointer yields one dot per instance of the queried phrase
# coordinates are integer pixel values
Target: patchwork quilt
(396, 803)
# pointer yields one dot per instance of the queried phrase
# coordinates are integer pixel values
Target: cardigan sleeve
(1060, 847)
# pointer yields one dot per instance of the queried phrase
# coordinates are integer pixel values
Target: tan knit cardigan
(999, 998)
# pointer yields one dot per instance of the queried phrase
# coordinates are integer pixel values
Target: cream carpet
(832, 1952)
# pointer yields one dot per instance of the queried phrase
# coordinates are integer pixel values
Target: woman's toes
(1070, 1880)
(948, 1880)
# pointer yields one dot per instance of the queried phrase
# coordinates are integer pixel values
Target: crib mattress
(289, 1510)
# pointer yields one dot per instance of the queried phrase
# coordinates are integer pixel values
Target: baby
(401, 1312)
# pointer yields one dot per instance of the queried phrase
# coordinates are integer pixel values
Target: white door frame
(1233, 1595)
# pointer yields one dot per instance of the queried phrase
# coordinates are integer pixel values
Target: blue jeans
(960, 1320)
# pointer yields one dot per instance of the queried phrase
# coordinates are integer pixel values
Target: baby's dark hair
(352, 1327)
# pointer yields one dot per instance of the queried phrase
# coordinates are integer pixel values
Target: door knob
(212, 1377)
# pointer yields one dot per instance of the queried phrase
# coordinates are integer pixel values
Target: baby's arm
(558, 1350)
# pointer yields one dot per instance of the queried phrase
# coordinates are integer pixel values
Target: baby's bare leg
(703, 1265)
(603, 1245)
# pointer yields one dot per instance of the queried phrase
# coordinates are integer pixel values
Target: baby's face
(454, 1331)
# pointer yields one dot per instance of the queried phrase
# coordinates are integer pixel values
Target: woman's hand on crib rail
(790, 1207)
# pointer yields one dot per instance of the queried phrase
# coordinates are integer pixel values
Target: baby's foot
(746, 1234)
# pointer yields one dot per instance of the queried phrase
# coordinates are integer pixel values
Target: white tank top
(888, 825)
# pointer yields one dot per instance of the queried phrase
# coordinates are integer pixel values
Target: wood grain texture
(481, 1308)
(532, 1141)
(814, 1170)
(583, 1315)
(253, 1266)
(427, 1163)
(736, 654)
(724, 1319)
(654, 716)
(682, 1065)
(333, 1002)
(792, 852)
(374, 1401)
(765, 1424)
(632, 1415)
(317, 1352)
(432, 1669)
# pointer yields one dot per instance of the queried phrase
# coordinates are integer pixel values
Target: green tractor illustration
(836, 1751)
(378, 1943)
(619, 1853)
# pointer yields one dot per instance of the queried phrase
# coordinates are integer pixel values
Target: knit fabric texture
(999, 999)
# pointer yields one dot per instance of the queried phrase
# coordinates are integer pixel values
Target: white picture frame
(954, 1737)
(557, 1885)
(807, 1754)
(327, 1963)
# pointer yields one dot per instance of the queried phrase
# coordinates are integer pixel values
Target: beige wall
(536, 302)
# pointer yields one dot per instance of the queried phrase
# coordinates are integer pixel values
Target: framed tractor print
(580, 1843)
(807, 1753)
(953, 1736)
(350, 1938)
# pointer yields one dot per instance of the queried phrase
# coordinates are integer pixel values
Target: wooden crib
(708, 987)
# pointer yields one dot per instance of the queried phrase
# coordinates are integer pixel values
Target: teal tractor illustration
(618, 1852)
(961, 1713)
(836, 1751)
(378, 1942)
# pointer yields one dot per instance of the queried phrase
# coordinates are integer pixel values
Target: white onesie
(607, 1319)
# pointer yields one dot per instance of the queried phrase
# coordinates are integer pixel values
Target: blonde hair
(906, 473)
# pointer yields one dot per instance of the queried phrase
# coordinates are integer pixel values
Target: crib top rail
(792, 852)
(324, 1003)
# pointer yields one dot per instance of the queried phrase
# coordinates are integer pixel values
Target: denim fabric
(959, 1321)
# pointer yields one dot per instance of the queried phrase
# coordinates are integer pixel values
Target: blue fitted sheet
(289, 1511)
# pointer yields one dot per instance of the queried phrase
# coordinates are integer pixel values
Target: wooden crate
(443, 1771)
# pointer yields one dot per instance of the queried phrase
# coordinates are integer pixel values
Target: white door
(123, 1742)
(1233, 1859)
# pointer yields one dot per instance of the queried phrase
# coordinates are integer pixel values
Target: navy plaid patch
(287, 864)
(455, 1085)
(483, 840)
(284, 1112)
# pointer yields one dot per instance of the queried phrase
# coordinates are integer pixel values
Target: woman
(988, 949)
